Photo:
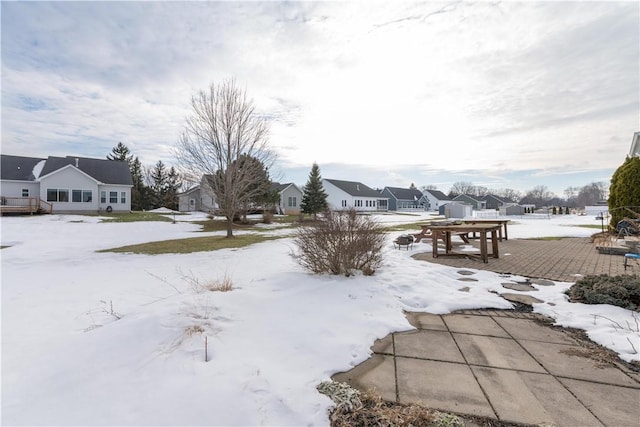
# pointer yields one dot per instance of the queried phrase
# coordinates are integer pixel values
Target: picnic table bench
(427, 233)
(482, 229)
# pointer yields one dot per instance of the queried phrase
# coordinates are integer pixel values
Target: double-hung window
(113, 197)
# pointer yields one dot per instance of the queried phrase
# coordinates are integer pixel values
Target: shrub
(341, 243)
(622, 291)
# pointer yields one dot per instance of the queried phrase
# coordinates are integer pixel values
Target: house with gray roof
(477, 203)
(65, 184)
(344, 195)
(433, 199)
(404, 198)
(290, 198)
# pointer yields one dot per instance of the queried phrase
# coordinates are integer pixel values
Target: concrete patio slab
(496, 352)
(383, 345)
(541, 398)
(574, 362)
(470, 324)
(614, 406)
(434, 345)
(522, 329)
(376, 373)
(535, 375)
(441, 385)
(426, 321)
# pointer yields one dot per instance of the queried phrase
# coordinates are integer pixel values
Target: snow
(37, 169)
(94, 338)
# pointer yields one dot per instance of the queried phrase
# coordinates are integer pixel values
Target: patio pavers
(504, 365)
(564, 260)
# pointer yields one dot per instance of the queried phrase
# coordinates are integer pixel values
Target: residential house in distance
(344, 195)
(64, 184)
(290, 198)
(475, 202)
(635, 145)
(434, 199)
(198, 198)
(404, 198)
(495, 202)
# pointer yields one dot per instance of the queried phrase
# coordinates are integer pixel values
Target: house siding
(340, 200)
(294, 192)
(14, 188)
(70, 179)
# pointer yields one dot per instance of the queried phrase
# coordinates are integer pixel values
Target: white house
(435, 199)
(290, 198)
(635, 145)
(66, 184)
(344, 195)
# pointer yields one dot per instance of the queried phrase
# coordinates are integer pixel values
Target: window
(292, 202)
(25, 192)
(344, 203)
(123, 197)
(103, 197)
(113, 197)
(56, 195)
(192, 202)
(81, 196)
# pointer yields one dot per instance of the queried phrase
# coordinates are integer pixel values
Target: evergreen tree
(314, 199)
(120, 152)
(159, 184)
(171, 189)
(624, 190)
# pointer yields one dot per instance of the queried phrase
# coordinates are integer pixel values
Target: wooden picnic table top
(468, 228)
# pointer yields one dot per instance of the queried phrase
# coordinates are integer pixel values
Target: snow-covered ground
(94, 338)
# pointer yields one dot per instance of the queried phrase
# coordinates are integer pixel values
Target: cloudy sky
(501, 94)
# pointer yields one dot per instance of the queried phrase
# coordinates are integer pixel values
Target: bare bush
(341, 243)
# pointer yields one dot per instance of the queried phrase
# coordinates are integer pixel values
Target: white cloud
(509, 86)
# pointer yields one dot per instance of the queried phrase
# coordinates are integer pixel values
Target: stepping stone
(465, 289)
(522, 299)
(467, 279)
(543, 282)
(518, 287)
(466, 272)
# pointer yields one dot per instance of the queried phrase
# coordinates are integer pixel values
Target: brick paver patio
(563, 260)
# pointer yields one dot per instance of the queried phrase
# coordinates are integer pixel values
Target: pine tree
(120, 152)
(314, 199)
(158, 183)
(171, 189)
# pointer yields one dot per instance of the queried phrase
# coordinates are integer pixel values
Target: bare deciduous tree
(222, 130)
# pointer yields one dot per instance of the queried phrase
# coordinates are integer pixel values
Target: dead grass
(194, 244)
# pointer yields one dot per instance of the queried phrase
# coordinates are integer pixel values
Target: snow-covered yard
(94, 338)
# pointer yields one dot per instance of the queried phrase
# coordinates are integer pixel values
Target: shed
(455, 210)
(511, 209)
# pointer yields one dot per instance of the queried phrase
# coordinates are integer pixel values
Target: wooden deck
(24, 205)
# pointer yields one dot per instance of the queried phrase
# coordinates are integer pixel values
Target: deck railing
(24, 205)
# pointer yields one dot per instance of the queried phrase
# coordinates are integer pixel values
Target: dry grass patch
(193, 244)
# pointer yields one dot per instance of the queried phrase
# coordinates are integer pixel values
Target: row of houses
(344, 195)
(78, 184)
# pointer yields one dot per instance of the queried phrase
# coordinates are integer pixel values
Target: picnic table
(482, 229)
(502, 222)
(427, 232)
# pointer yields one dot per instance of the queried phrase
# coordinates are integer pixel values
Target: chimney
(77, 160)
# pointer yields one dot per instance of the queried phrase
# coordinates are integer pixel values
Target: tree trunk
(229, 227)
